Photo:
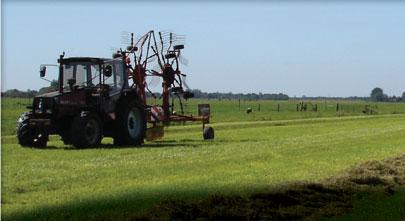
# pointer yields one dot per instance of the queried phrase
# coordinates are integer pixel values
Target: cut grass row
(377, 206)
(64, 183)
(378, 183)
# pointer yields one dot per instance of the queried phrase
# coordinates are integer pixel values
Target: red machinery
(148, 52)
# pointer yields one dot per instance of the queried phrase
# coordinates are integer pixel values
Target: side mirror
(42, 71)
(107, 71)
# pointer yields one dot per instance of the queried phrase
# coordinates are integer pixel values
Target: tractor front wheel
(86, 131)
(28, 135)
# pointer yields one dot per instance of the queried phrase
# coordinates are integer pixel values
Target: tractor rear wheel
(28, 135)
(86, 131)
(130, 125)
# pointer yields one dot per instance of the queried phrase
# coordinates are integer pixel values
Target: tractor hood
(43, 104)
(76, 97)
(49, 102)
(50, 94)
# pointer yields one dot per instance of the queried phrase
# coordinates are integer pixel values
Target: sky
(312, 49)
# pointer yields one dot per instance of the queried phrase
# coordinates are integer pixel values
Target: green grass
(60, 182)
(229, 111)
(11, 109)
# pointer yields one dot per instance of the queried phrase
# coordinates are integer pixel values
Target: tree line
(15, 93)
(197, 94)
(377, 95)
(249, 96)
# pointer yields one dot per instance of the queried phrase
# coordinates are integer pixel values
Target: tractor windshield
(85, 74)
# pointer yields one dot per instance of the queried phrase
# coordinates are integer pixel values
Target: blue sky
(313, 49)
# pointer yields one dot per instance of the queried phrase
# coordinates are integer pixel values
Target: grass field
(231, 111)
(250, 153)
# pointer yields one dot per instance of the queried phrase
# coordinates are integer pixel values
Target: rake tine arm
(161, 42)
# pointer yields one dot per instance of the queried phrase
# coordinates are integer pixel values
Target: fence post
(337, 107)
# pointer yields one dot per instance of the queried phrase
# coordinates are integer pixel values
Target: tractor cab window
(67, 74)
(95, 75)
(116, 80)
(81, 74)
(85, 74)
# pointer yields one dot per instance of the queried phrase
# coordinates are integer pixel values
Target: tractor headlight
(43, 106)
(39, 109)
(40, 105)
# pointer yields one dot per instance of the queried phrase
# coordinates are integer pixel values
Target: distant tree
(52, 87)
(54, 84)
(403, 97)
(377, 94)
(31, 93)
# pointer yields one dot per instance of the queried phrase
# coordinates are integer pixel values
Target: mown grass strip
(65, 183)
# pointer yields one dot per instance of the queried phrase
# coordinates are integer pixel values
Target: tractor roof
(85, 59)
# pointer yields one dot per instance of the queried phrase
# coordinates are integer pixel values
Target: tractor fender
(129, 96)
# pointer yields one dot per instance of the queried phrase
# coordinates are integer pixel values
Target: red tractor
(101, 97)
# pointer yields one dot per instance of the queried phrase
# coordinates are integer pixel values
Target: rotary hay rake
(159, 56)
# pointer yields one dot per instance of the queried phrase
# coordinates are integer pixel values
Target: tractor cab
(83, 72)
(85, 83)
